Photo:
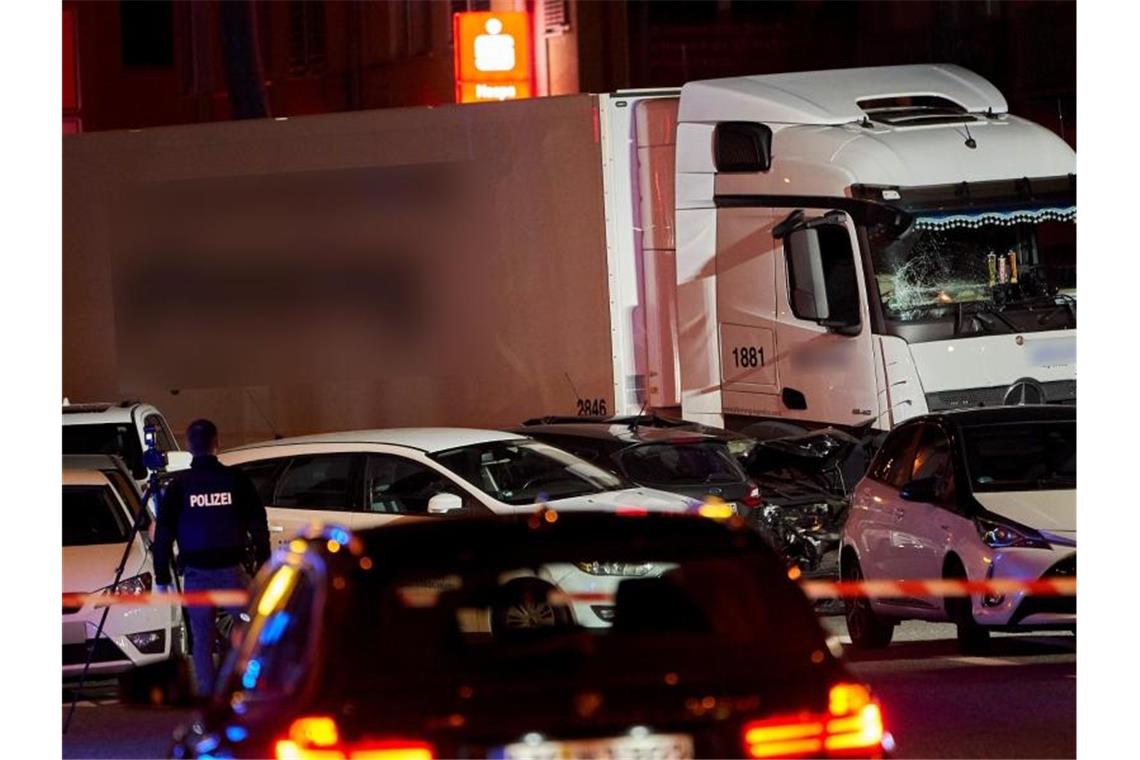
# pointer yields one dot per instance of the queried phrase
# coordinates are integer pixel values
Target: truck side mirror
(821, 276)
(442, 503)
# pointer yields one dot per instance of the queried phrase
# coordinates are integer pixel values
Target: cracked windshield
(995, 262)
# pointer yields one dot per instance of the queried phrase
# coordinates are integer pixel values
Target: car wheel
(972, 638)
(866, 629)
(524, 606)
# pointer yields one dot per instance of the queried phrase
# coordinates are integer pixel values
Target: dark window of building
(147, 33)
(416, 17)
(681, 12)
(555, 16)
(306, 37)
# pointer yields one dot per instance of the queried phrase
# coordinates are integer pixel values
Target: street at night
(1019, 702)
(573, 380)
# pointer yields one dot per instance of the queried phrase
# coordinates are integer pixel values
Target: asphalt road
(1019, 701)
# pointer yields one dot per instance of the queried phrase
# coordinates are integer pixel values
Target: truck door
(824, 362)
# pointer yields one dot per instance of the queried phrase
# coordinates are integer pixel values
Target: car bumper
(1020, 610)
(114, 651)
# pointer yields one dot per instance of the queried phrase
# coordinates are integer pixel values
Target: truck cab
(858, 247)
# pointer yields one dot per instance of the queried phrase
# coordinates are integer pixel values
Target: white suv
(976, 494)
(118, 429)
(99, 506)
(366, 478)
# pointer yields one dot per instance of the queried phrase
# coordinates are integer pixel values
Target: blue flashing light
(236, 733)
(252, 671)
(274, 628)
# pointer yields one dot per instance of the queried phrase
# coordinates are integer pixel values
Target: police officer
(212, 511)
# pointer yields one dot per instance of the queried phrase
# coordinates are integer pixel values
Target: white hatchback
(99, 505)
(981, 494)
(365, 478)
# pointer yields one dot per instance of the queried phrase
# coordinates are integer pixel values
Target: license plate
(652, 747)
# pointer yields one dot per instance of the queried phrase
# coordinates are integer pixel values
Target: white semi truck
(847, 248)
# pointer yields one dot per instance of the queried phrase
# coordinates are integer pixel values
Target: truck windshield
(990, 264)
(526, 472)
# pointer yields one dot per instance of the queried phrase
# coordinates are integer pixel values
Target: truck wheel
(972, 638)
(866, 629)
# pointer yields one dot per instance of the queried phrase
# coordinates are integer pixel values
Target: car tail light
(317, 738)
(753, 498)
(853, 725)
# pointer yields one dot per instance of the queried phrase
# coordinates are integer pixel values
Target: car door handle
(276, 528)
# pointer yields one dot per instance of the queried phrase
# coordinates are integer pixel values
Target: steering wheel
(540, 479)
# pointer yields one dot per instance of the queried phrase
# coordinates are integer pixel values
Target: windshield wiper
(980, 307)
(1068, 304)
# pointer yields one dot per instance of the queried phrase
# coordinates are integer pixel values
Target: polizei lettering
(219, 499)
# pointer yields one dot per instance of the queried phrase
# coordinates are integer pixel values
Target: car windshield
(614, 616)
(526, 472)
(946, 265)
(672, 464)
(92, 516)
(114, 439)
(1022, 456)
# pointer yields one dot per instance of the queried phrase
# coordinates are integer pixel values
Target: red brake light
(393, 750)
(317, 738)
(852, 724)
(753, 498)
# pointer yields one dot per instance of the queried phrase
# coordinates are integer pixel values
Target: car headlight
(615, 568)
(139, 584)
(1001, 535)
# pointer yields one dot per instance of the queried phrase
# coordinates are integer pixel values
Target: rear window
(1022, 456)
(92, 516)
(681, 464)
(113, 439)
(621, 613)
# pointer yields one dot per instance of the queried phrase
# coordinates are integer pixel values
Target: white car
(979, 494)
(99, 505)
(366, 478)
(119, 429)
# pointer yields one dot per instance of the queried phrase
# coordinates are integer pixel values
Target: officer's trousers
(203, 628)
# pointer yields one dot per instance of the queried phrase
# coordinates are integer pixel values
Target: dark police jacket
(212, 511)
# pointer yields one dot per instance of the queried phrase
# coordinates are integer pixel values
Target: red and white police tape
(813, 589)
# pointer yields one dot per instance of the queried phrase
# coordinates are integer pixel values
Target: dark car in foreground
(689, 462)
(378, 644)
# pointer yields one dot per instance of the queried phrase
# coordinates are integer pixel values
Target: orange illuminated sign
(492, 56)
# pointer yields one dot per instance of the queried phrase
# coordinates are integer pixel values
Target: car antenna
(276, 436)
(971, 143)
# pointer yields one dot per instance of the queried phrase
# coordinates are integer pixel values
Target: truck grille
(1056, 392)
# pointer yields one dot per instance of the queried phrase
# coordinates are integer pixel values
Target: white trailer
(847, 248)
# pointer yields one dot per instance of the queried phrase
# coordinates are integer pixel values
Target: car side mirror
(821, 276)
(922, 490)
(442, 503)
